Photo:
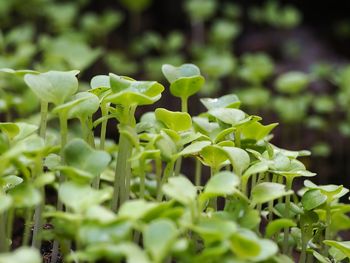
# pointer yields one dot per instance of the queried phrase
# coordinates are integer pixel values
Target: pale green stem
(158, 163)
(38, 220)
(184, 104)
(104, 112)
(289, 182)
(43, 119)
(253, 183)
(10, 218)
(167, 173)
(198, 172)
(142, 178)
(213, 201)
(327, 234)
(64, 138)
(302, 258)
(3, 239)
(122, 172)
(27, 227)
(178, 166)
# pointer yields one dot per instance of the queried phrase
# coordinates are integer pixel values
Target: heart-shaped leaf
(278, 224)
(80, 197)
(158, 238)
(174, 120)
(267, 191)
(186, 86)
(82, 105)
(173, 73)
(227, 115)
(312, 199)
(226, 101)
(181, 189)
(53, 86)
(221, 184)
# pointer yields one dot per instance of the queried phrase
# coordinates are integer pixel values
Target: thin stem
(198, 173)
(104, 112)
(43, 119)
(302, 258)
(184, 104)
(158, 164)
(213, 201)
(3, 239)
(63, 129)
(122, 172)
(167, 173)
(27, 227)
(38, 220)
(327, 235)
(178, 166)
(10, 218)
(64, 138)
(142, 178)
(289, 182)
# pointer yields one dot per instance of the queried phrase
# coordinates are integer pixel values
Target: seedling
(133, 201)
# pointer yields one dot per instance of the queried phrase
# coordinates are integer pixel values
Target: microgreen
(134, 201)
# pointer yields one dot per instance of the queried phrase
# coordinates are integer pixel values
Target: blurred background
(286, 60)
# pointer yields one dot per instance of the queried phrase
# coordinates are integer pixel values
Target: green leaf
(25, 195)
(22, 254)
(128, 92)
(82, 105)
(267, 191)
(239, 159)
(331, 191)
(194, 148)
(81, 155)
(312, 199)
(321, 258)
(186, 86)
(173, 73)
(10, 129)
(181, 189)
(53, 86)
(174, 120)
(135, 209)
(111, 252)
(278, 224)
(215, 229)
(226, 101)
(114, 232)
(80, 197)
(213, 156)
(244, 245)
(257, 131)
(343, 246)
(221, 184)
(158, 238)
(227, 115)
(167, 146)
(100, 81)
